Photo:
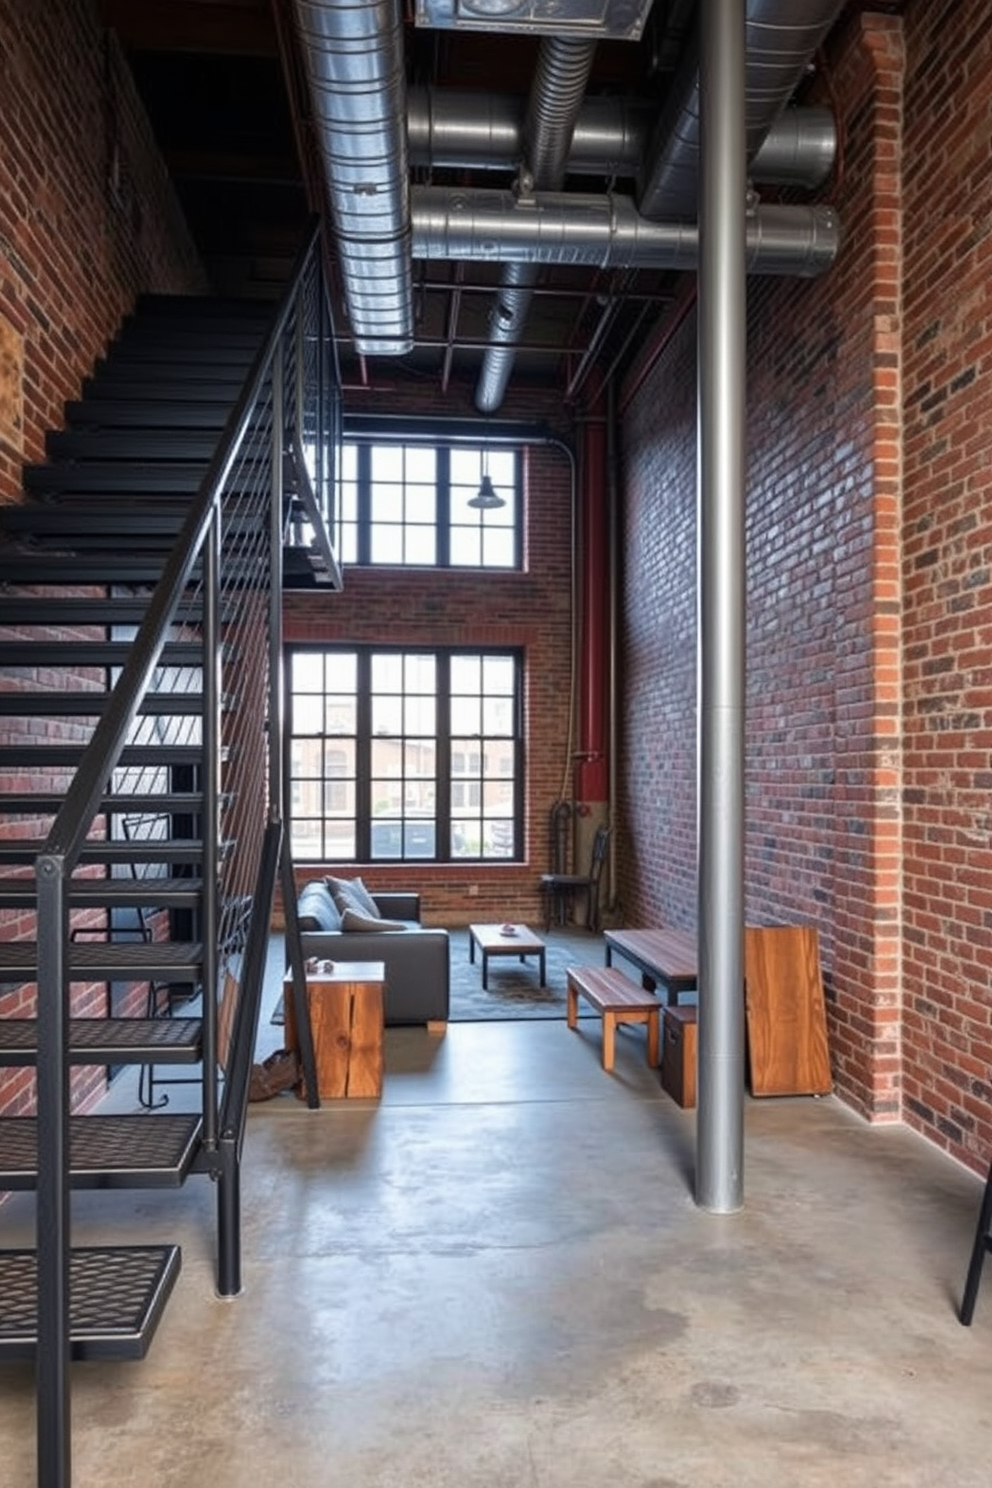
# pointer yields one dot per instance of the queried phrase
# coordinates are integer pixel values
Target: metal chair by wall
(560, 888)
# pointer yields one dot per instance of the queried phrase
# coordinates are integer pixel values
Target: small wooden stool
(619, 1000)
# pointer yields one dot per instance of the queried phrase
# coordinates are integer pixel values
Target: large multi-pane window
(401, 754)
(408, 504)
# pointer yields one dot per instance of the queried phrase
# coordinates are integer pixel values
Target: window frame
(445, 818)
(363, 525)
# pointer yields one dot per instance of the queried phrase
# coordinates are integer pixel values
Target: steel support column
(720, 547)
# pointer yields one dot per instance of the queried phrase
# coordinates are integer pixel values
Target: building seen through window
(405, 754)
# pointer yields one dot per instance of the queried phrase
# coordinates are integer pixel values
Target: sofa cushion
(353, 919)
(316, 909)
(351, 893)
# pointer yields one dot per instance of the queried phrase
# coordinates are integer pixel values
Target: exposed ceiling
(225, 86)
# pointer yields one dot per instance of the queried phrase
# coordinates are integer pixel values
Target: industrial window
(409, 505)
(404, 754)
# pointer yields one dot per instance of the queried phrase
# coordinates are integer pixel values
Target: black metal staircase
(140, 598)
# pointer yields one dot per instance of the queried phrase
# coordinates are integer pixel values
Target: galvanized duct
(356, 70)
(481, 131)
(556, 95)
(781, 38)
(608, 232)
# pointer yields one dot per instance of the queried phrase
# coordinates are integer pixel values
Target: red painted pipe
(591, 774)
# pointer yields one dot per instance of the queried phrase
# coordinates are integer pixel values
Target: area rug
(513, 990)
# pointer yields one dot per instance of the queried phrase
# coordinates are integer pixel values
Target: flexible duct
(555, 97)
(480, 131)
(356, 70)
(781, 38)
(608, 232)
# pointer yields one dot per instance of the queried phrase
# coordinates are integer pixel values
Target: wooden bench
(619, 1000)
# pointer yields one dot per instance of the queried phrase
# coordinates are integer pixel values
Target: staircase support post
(53, 1211)
(229, 1218)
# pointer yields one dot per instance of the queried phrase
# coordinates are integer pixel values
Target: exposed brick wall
(530, 609)
(869, 546)
(88, 218)
(947, 574)
(822, 771)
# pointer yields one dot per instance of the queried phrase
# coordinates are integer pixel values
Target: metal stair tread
(49, 610)
(108, 413)
(59, 756)
(108, 1041)
(117, 1297)
(150, 892)
(133, 444)
(100, 961)
(150, 1150)
(20, 567)
(120, 804)
(97, 653)
(58, 703)
(178, 477)
(100, 850)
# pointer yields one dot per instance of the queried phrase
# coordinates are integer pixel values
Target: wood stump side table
(346, 1019)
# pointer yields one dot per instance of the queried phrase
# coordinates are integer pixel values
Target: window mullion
(363, 761)
(443, 526)
(364, 476)
(443, 787)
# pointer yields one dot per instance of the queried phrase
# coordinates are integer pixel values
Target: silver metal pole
(721, 567)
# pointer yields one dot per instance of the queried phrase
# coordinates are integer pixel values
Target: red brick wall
(88, 220)
(822, 772)
(530, 609)
(87, 215)
(947, 578)
(869, 543)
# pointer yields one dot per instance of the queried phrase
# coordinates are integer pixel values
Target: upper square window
(407, 505)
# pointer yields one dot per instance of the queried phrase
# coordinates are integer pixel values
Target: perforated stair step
(117, 1297)
(108, 1041)
(152, 1150)
(97, 961)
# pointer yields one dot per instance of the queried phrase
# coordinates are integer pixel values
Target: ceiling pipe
(556, 95)
(355, 67)
(607, 232)
(448, 129)
(780, 39)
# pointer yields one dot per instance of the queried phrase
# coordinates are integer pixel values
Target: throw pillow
(316, 909)
(353, 919)
(351, 893)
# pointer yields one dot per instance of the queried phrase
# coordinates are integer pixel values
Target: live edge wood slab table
(346, 1018)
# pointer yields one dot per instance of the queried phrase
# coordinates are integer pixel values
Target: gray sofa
(416, 959)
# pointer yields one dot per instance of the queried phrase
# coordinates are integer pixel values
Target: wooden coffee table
(497, 940)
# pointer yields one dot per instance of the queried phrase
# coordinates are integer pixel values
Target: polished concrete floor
(497, 1277)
